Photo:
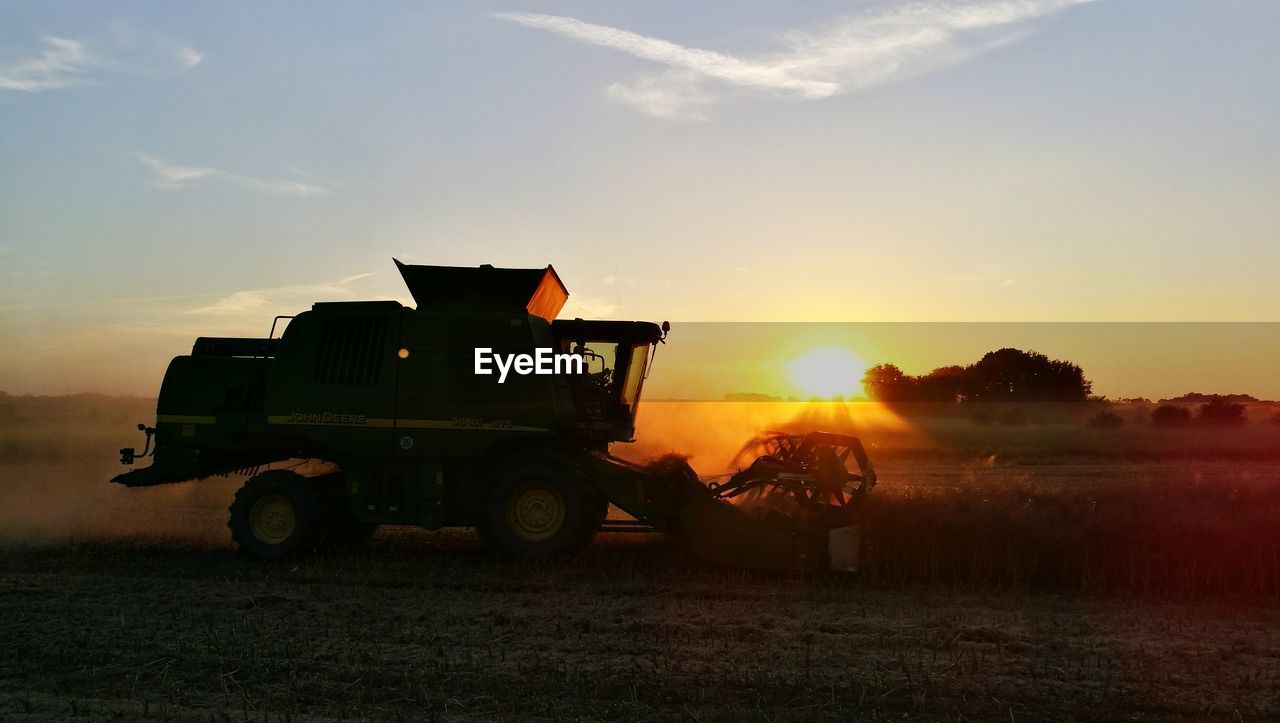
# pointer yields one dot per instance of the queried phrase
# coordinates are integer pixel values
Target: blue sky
(168, 170)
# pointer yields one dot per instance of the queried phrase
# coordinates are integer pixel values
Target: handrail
(275, 321)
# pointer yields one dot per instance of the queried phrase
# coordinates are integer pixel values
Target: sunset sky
(171, 170)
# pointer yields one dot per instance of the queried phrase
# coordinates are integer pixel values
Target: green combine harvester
(386, 404)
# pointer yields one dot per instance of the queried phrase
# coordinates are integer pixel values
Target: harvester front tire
(540, 506)
(274, 514)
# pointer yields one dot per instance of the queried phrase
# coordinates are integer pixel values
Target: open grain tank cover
(536, 291)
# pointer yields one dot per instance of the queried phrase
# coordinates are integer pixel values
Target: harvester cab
(616, 357)
(475, 408)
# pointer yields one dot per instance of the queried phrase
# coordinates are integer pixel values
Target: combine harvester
(388, 403)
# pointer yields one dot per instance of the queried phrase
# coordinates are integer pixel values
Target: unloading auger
(390, 405)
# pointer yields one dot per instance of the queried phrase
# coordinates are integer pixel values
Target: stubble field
(999, 584)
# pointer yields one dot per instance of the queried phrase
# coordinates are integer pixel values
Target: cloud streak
(246, 303)
(66, 62)
(166, 176)
(63, 62)
(188, 57)
(704, 62)
(851, 53)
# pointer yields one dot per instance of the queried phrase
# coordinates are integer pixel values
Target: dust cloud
(713, 435)
(58, 454)
(48, 503)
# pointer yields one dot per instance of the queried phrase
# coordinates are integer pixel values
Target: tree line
(1004, 375)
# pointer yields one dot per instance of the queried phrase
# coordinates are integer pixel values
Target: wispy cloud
(65, 62)
(586, 306)
(239, 303)
(704, 62)
(356, 277)
(168, 176)
(851, 53)
(187, 56)
(621, 280)
(981, 278)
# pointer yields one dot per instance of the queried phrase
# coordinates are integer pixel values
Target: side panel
(207, 401)
(331, 389)
(444, 410)
(397, 492)
(206, 407)
(451, 422)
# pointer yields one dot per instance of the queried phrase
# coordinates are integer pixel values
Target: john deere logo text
(542, 362)
(325, 418)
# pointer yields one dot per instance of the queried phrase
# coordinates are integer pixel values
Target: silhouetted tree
(1169, 415)
(1013, 375)
(1194, 397)
(1221, 413)
(750, 397)
(1005, 375)
(944, 384)
(888, 383)
(1106, 419)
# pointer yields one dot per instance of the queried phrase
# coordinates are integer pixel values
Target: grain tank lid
(537, 291)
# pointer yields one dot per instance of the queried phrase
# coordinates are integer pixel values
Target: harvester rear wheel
(273, 514)
(540, 505)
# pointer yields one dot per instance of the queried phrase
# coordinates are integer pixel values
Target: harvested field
(422, 625)
(996, 586)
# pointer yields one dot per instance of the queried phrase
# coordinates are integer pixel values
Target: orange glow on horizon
(713, 434)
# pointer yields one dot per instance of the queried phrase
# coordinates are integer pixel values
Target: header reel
(820, 479)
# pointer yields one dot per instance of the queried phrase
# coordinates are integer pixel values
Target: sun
(827, 372)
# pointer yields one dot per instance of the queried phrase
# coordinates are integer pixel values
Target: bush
(1106, 419)
(1220, 413)
(1170, 415)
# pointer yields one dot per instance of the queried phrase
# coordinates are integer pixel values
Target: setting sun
(827, 372)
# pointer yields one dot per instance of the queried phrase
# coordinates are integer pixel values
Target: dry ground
(423, 625)
(146, 611)
(131, 604)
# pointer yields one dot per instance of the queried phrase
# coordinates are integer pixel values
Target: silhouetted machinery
(388, 406)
